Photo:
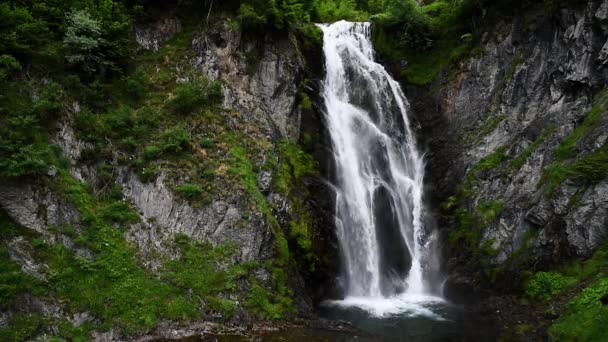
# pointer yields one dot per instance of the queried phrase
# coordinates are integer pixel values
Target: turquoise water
(438, 321)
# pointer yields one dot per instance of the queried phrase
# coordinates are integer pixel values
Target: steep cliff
(190, 203)
(517, 151)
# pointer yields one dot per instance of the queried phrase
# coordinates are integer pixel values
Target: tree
(83, 42)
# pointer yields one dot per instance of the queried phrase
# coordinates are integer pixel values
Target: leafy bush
(585, 317)
(175, 140)
(152, 152)
(194, 95)
(334, 10)
(545, 285)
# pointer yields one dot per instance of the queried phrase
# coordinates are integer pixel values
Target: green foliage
(206, 142)
(472, 221)
(471, 224)
(242, 168)
(585, 317)
(22, 327)
(190, 191)
(294, 164)
(590, 168)
(333, 10)
(566, 148)
(197, 269)
(262, 303)
(545, 285)
(97, 43)
(175, 140)
(431, 38)
(119, 212)
(152, 152)
(277, 14)
(300, 232)
(194, 95)
(12, 280)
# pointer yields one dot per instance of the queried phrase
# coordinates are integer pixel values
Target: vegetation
(589, 168)
(581, 284)
(545, 285)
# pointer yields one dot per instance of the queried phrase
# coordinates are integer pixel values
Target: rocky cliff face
(262, 95)
(515, 140)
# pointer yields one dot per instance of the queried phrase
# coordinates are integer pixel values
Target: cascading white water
(387, 251)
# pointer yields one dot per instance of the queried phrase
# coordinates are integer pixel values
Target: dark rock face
(534, 81)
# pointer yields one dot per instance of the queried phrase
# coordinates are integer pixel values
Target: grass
(545, 285)
(194, 95)
(189, 191)
(584, 282)
(518, 162)
(566, 148)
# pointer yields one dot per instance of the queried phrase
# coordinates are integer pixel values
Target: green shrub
(22, 327)
(152, 152)
(333, 10)
(546, 285)
(189, 191)
(585, 317)
(175, 140)
(261, 302)
(136, 86)
(119, 212)
(194, 95)
(206, 142)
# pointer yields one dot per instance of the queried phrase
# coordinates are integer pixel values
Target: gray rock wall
(537, 74)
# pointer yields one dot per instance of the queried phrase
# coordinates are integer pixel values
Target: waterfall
(387, 249)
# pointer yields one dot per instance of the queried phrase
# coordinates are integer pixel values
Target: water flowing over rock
(385, 247)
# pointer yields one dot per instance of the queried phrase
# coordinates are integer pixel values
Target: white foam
(405, 304)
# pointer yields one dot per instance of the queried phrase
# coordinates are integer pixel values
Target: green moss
(424, 67)
(106, 284)
(294, 164)
(305, 102)
(242, 168)
(470, 225)
(275, 305)
(118, 212)
(190, 191)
